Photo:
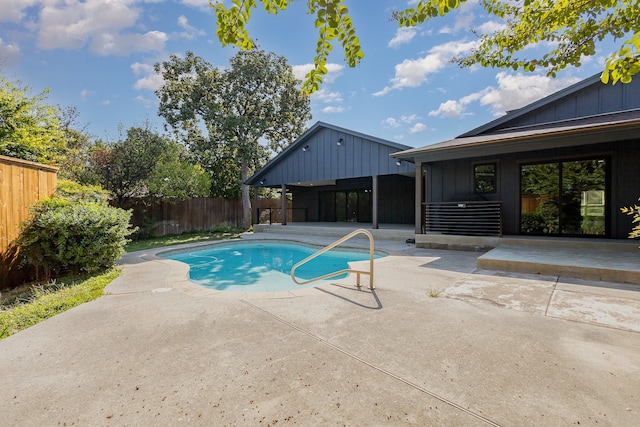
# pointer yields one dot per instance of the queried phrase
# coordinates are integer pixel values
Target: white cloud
(449, 109)
(333, 71)
(149, 79)
(100, 24)
(199, 4)
(418, 127)
(14, 10)
(323, 95)
(403, 35)
(189, 32)
(9, 52)
(74, 23)
(125, 44)
(144, 101)
(414, 72)
(513, 91)
(516, 91)
(333, 109)
(491, 27)
(409, 119)
(84, 93)
(391, 122)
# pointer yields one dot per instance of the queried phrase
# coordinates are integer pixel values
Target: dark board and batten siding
(325, 160)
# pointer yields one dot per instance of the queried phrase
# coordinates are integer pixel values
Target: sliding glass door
(346, 206)
(564, 198)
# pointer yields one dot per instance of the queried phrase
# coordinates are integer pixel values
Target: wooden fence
(198, 214)
(22, 183)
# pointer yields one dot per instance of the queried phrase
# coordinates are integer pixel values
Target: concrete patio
(438, 342)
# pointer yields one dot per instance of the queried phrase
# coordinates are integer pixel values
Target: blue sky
(98, 55)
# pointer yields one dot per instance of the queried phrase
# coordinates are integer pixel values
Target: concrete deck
(438, 342)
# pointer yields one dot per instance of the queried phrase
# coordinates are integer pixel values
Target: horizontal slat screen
(476, 218)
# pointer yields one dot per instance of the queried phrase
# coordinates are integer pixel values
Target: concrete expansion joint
(374, 366)
(553, 291)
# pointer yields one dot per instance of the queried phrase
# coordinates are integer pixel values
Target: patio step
(336, 231)
(610, 261)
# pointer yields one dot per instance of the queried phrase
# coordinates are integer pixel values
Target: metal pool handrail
(337, 273)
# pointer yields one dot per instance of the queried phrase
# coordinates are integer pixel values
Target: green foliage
(35, 303)
(175, 178)
(125, 165)
(570, 28)
(332, 21)
(29, 128)
(232, 119)
(633, 211)
(73, 235)
(77, 165)
(73, 191)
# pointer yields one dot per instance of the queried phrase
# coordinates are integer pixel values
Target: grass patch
(217, 233)
(30, 304)
(434, 293)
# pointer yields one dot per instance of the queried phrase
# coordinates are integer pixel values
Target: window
(564, 198)
(484, 178)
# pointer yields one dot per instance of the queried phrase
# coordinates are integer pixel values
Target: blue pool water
(261, 266)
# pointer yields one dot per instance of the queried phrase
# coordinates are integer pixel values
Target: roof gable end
(589, 98)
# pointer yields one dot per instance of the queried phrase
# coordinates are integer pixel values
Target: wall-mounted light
(340, 141)
(398, 162)
(262, 181)
(305, 148)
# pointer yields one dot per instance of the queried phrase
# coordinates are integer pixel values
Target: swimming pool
(261, 266)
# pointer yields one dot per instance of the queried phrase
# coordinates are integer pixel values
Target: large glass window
(563, 198)
(346, 206)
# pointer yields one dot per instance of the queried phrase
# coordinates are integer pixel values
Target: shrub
(73, 235)
(633, 211)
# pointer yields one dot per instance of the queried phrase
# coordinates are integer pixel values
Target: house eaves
(522, 141)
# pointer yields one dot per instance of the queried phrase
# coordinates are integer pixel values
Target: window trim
(495, 177)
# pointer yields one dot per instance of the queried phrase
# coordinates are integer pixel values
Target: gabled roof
(595, 79)
(306, 136)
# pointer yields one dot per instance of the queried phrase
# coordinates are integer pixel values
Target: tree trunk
(246, 201)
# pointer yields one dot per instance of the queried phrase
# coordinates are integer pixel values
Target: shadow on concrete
(360, 291)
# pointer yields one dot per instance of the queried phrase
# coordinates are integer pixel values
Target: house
(559, 167)
(333, 174)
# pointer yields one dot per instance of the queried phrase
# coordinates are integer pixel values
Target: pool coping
(178, 276)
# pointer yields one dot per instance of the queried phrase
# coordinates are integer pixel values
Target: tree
(572, 27)
(175, 178)
(29, 128)
(147, 164)
(239, 113)
(76, 165)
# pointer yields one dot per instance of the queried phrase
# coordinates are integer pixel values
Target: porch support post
(419, 197)
(284, 204)
(374, 201)
(256, 209)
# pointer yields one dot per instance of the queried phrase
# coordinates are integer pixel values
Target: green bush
(633, 211)
(72, 235)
